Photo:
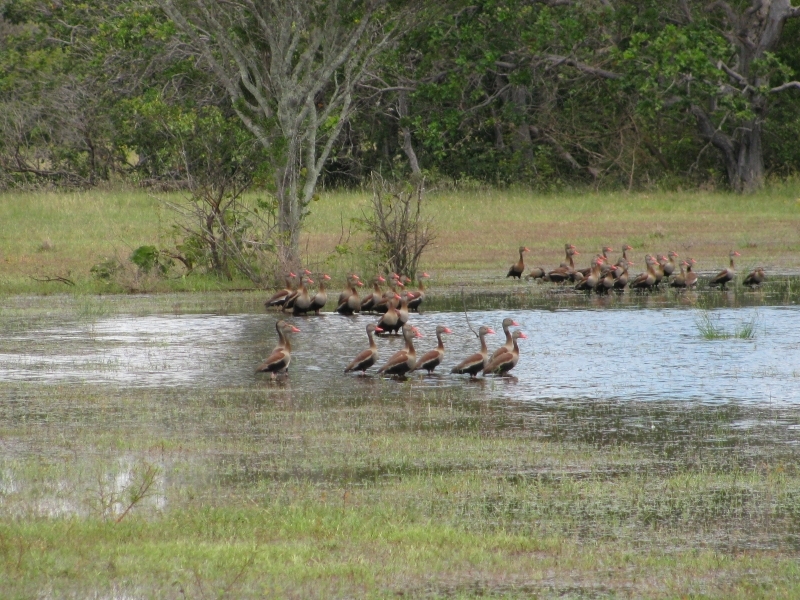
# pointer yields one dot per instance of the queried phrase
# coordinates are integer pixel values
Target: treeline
(611, 93)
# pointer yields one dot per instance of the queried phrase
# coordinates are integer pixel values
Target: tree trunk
(408, 148)
(750, 163)
(288, 217)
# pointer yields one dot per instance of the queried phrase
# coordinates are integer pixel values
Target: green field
(48, 235)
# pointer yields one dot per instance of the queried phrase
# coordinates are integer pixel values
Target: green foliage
(106, 269)
(148, 258)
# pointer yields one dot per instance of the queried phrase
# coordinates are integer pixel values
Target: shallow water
(614, 349)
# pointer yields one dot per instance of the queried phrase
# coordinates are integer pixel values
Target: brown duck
(278, 298)
(416, 298)
(517, 269)
(352, 303)
(390, 321)
(566, 270)
(368, 357)
(406, 359)
(691, 276)
(503, 363)
(368, 304)
(755, 278)
(507, 322)
(726, 275)
(433, 358)
(679, 281)
(320, 299)
(474, 363)
(646, 280)
(302, 303)
(348, 289)
(281, 356)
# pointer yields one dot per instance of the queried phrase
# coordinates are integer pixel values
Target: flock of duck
(602, 276)
(395, 304)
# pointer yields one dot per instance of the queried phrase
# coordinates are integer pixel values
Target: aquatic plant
(710, 329)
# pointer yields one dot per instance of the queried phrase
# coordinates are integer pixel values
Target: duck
(691, 276)
(278, 361)
(433, 358)
(591, 280)
(517, 269)
(416, 298)
(288, 303)
(506, 361)
(278, 298)
(755, 278)
(352, 303)
(369, 302)
(668, 266)
(348, 290)
(405, 360)
(474, 363)
(302, 303)
(622, 277)
(368, 357)
(646, 280)
(390, 296)
(508, 322)
(390, 321)
(726, 275)
(566, 270)
(679, 281)
(320, 299)
(536, 273)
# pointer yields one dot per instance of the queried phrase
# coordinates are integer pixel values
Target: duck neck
(484, 349)
(372, 344)
(440, 347)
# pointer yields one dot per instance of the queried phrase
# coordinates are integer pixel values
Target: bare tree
(289, 68)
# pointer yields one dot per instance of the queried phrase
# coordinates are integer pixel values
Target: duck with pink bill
(474, 364)
(433, 358)
(278, 361)
(506, 361)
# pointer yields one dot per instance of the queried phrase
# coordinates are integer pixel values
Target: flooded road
(611, 351)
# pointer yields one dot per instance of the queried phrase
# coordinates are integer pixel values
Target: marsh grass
(266, 492)
(709, 328)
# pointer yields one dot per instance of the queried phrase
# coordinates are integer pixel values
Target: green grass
(709, 328)
(51, 234)
(265, 492)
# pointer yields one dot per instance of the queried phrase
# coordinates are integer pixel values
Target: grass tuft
(710, 329)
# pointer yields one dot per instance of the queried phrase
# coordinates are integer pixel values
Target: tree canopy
(548, 93)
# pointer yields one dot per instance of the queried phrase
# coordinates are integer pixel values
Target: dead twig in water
(464, 302)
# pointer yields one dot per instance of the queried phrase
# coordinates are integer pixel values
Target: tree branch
(786, 86)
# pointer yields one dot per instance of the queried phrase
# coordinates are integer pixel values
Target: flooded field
(629, 441)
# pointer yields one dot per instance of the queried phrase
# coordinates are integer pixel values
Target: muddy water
(593, 349)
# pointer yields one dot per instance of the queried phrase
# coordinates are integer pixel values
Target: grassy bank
(49, 235)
